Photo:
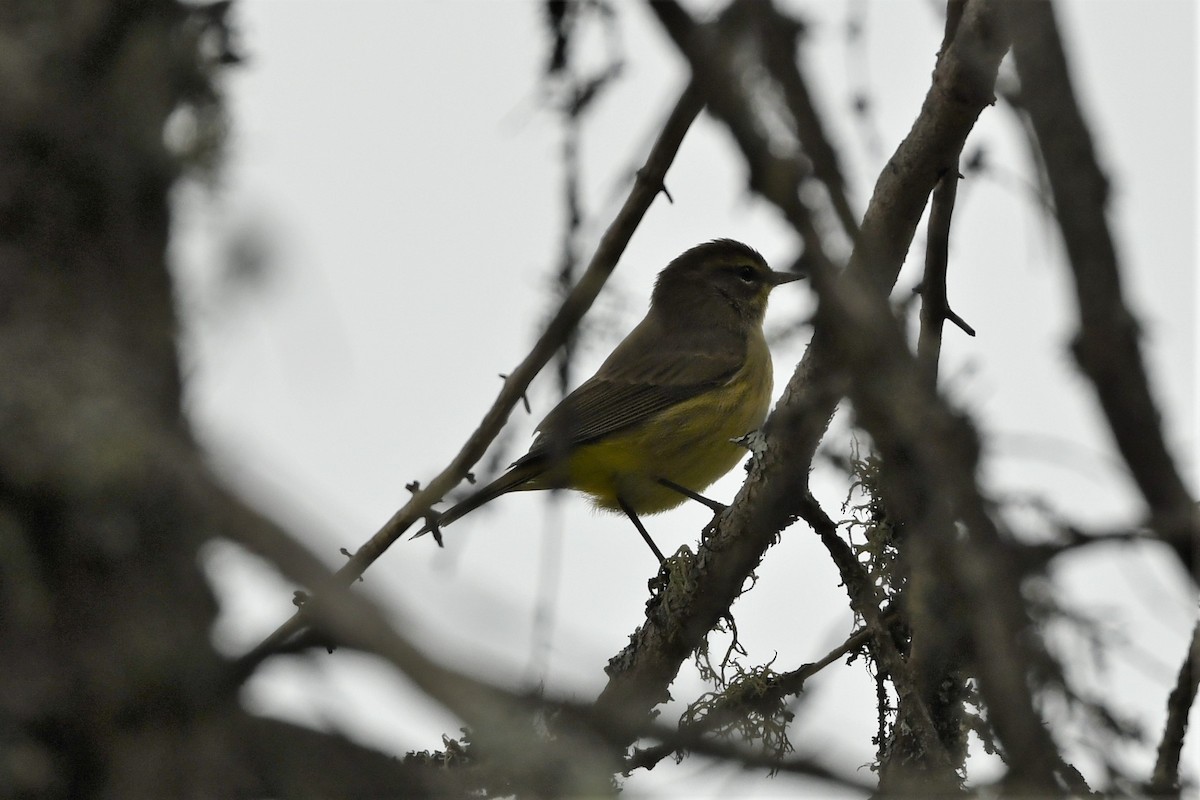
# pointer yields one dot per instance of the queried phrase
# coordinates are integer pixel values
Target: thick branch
(1106, 346)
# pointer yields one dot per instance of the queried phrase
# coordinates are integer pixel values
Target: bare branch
(935, 307)
(1106, 346)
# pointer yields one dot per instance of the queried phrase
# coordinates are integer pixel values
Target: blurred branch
(1106, 345)
(720, 54)
(294, 761)
(1072, 538)
(1165, 781)
(783, 36)
(648, 184)
(500, 719)
(501, 722)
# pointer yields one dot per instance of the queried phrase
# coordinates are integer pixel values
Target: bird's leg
(637, 523)
(717, 508)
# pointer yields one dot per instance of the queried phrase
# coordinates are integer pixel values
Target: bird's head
(712, 275)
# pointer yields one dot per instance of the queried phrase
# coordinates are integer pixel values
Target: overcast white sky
(397, 162)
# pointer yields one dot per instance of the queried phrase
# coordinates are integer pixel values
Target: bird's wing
(651, 370)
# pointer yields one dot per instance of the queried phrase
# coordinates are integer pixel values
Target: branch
(1106, 346)
(502, 722)
(293, 761)
(648, 184)
(730, 752)
(1165, 781)
(935, 306)
(865, 600)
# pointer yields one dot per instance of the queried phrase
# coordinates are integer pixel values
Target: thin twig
(935, 307)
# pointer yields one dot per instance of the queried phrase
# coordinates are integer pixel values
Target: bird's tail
(508, 482)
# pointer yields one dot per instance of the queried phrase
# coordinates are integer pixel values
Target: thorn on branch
(524, 398)
(960, 322)
(349, 556)
(413, 486)
(659, 185)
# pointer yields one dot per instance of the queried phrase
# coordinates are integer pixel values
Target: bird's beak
(778, 278)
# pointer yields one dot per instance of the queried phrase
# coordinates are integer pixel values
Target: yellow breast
(688, 444)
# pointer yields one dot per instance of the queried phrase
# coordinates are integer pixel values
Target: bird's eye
(747, 274)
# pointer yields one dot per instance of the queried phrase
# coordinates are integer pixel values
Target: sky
(394, 173)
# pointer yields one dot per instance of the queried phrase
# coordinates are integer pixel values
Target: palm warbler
(655, 424)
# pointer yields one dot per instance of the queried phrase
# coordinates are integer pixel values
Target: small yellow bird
(655, 424)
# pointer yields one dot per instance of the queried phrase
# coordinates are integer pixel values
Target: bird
(655, 425)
